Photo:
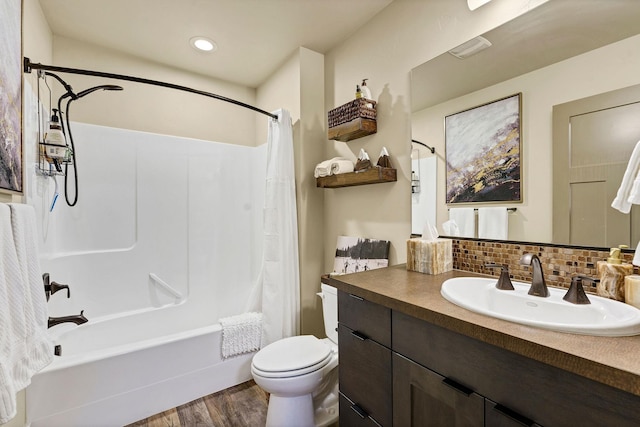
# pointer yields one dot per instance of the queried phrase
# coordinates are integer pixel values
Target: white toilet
(301, 373)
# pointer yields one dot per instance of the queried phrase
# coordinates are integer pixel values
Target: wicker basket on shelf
(352, 110)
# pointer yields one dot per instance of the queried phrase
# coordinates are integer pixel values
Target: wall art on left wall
(11, 175)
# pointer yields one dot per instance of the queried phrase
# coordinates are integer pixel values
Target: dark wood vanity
(409, 357)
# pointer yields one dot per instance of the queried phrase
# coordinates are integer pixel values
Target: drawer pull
(356, 297)
(457, 387)
(358, 410)
(359, 335)
(521, 419)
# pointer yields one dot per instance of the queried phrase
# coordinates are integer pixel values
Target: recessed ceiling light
(203, 44)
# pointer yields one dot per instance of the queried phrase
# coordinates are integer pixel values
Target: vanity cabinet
(365, 373)
(511, 389)
(398, 370)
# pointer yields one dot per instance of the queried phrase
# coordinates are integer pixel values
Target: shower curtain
(277, 293)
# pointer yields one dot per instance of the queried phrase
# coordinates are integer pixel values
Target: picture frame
(11, 149)
(483, 147)
(354, 254)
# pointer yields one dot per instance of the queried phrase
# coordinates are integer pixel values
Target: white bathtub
(114, 371)
(154, 258)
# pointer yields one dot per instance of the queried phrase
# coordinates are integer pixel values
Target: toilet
(301, 373)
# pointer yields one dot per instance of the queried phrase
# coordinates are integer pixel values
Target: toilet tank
(329, 297)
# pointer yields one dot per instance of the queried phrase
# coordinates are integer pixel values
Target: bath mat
(241, 334)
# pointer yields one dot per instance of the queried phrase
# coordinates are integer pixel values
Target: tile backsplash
(559, 263)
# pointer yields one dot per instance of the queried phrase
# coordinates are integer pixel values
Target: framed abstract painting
(483, 153)
(11, 175)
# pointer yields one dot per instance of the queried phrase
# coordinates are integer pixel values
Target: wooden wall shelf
(356, 128)
(375, 175)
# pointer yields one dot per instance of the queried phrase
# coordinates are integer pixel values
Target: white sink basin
(604, 317)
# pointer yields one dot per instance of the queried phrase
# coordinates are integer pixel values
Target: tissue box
(430, 256)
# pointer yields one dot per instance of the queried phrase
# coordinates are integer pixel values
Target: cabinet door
(365, 374)
(423, 398)
(496, 415)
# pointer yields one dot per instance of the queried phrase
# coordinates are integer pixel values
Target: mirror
(554, 54)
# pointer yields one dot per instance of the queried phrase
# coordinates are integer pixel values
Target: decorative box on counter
(352, 120)
(430, 256)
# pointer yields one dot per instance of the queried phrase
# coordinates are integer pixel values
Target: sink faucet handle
(576, 294)
(504, 282)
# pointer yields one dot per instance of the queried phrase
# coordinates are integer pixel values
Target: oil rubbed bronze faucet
(78, 319)
(538, 285)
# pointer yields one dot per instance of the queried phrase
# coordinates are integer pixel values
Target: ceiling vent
(470, 47)
(474, 4)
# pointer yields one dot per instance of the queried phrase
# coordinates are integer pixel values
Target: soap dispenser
(611, 274)
(366, 92)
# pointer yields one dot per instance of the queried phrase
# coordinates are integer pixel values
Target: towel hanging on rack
(493, 223)
(465, 219)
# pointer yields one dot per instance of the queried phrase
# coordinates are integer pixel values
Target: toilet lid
(291, 354)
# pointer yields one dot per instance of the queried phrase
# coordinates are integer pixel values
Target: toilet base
(290, 411)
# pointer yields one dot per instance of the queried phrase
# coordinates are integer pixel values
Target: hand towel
(465, 219)
(324, 168)
(493, 223)
(626, 195)
(241, 334)
(25, 346)
(341, 166)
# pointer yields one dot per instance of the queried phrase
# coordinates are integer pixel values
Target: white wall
(608, 68)
(150, 108)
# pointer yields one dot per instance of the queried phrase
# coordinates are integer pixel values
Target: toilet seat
(292, 357)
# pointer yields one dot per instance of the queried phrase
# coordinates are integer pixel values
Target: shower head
(95, 88)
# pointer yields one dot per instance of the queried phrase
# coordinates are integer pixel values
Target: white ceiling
(254, 37)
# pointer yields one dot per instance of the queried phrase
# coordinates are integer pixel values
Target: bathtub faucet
(78, 319)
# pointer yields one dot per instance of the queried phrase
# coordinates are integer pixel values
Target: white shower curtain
(277, 293)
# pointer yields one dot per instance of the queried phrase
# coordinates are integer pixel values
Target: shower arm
(28, 66)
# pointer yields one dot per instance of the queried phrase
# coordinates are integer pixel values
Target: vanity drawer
(365, 374)
(364, 317)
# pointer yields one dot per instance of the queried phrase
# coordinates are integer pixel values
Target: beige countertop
(614, 361)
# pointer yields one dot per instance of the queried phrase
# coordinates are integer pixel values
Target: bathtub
(154, 262)
(117, 370)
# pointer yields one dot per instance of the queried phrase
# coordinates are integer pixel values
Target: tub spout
(78, 319)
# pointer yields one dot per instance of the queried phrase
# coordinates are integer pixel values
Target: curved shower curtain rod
(432, 149)
(28, 66)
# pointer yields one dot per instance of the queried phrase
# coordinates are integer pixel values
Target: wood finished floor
(244, 405)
